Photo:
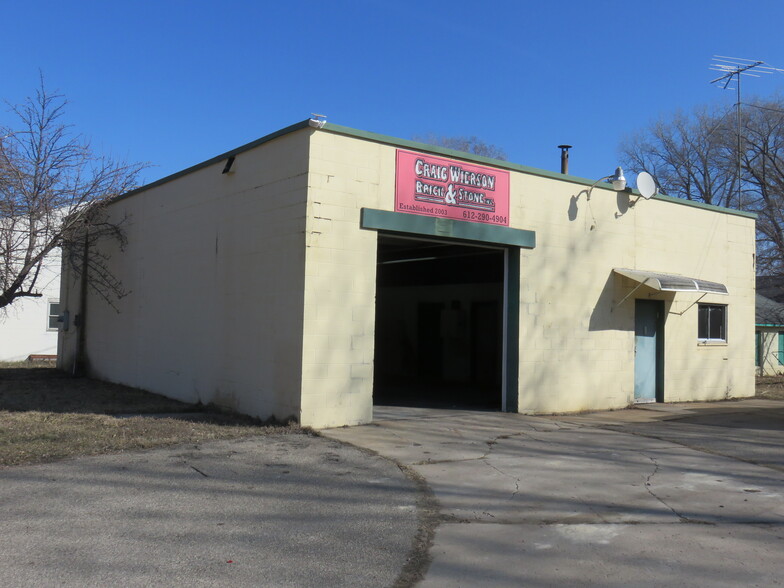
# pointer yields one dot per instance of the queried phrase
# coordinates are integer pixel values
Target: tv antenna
(732, 68)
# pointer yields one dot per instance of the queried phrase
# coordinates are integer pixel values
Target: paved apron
(597, 500)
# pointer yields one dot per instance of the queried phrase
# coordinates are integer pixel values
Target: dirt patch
(46, 415)
(770, 387)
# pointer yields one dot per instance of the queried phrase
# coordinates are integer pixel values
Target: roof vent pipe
(564, 158)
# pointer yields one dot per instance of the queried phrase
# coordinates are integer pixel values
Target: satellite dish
(646, 185)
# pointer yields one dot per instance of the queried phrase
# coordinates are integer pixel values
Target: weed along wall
(330, 268)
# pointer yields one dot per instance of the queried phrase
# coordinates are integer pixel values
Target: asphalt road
(287, 510)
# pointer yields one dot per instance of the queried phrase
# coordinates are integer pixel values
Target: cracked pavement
(279, 510)
(685, 494)
(690, 495)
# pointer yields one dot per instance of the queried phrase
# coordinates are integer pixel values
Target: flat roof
(396, 142)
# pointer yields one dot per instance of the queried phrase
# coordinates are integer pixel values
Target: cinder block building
(321, 269)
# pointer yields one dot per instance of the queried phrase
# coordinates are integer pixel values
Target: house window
(53, 321)
(780, 354)
(712, 322)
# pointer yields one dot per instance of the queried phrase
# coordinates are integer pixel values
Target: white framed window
(53, 320)
(712, 322)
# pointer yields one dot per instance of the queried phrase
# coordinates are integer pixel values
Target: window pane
(702, 326)
(716, 322)
(54, 314)
(712, 322)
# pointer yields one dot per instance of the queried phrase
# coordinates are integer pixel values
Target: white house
(29, 326)
(769, 342)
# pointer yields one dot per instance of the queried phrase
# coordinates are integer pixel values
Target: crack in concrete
(559, 426)
(621, 429)
(503, 473)
(648, 481)
(195, 469)
(490, 445)
(525, 434)
(439, 461)
(451, 519)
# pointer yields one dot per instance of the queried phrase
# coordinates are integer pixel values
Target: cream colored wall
(257, 290)
(770, 352)
(340, 278)
(576, 342)
(723, 246)
(215, 270)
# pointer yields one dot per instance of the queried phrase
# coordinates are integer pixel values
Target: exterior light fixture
(617, 180)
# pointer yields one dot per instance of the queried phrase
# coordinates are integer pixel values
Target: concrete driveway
(686, 495)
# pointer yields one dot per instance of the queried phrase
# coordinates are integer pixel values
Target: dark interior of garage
(439, 332)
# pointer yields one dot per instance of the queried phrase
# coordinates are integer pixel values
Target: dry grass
(770, 387)
(46, 415)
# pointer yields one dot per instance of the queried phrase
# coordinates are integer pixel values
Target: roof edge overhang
(672, 282)
(393, 141)
(503, 164)
(217, 159)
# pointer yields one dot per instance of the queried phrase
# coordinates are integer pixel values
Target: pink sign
(447, 188)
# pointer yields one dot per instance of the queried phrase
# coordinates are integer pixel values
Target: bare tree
(695, 156)
(762, 165)
(471, 144)
(53, 190)
(687, 155)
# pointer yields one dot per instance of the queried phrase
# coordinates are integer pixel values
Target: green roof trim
(686, 202)
(414, 224)
(387, 140)
(340, 130)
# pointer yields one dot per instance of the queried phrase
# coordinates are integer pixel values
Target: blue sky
(174, 83)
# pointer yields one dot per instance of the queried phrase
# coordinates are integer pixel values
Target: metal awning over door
(672, 282)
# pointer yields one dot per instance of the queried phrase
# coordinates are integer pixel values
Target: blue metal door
(647, 346)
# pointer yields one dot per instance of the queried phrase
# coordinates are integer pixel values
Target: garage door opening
(439, 324)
